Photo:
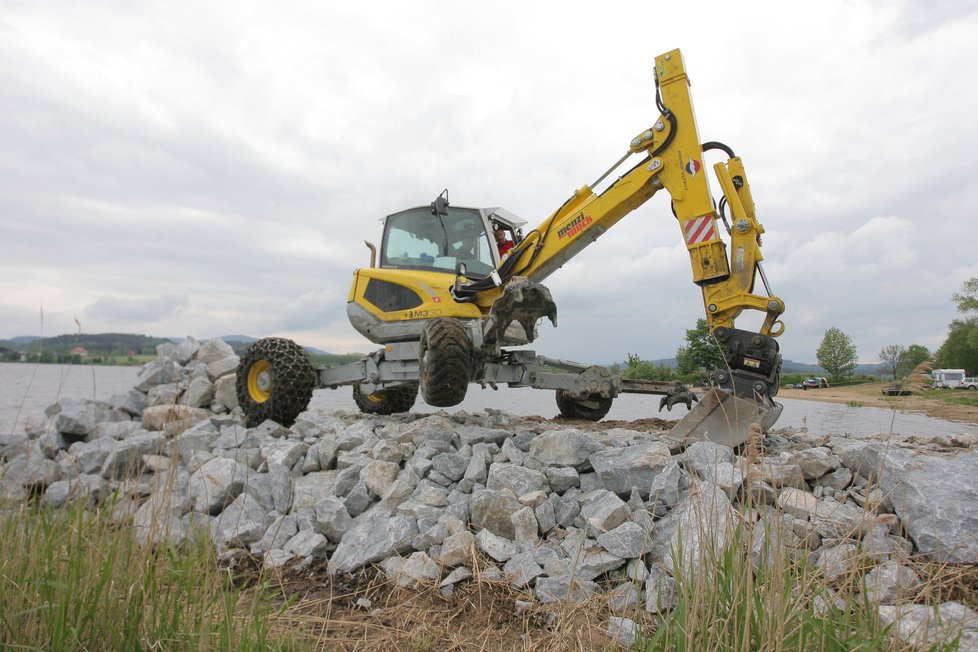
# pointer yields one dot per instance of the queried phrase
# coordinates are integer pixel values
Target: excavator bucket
(723, 418)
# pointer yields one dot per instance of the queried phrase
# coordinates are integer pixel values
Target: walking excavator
(449, 310)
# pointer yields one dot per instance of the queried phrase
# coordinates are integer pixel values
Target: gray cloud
(214, 169)
(130, 309)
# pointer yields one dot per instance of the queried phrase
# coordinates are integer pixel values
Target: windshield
(416, 239)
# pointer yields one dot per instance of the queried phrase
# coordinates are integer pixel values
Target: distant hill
(23, 340)
(107, 344)
(114, 345)
(241, 342)
(247, 339)
(787, 367)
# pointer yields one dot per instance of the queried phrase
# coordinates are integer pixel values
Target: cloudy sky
(209, 168)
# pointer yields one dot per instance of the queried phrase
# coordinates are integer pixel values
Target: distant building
(80, 351)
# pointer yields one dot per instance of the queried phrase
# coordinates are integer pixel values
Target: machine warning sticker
(575, 226)
(693, 166)
(699, 229)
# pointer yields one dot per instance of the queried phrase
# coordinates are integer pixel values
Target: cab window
(416, 239)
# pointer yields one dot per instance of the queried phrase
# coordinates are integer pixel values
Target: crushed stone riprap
(565, 510)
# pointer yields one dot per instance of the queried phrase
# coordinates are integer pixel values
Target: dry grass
(367, 611)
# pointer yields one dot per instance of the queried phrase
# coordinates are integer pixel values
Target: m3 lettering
(426, 313)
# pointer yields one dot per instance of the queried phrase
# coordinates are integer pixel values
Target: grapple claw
(681, 394)
(523, 302)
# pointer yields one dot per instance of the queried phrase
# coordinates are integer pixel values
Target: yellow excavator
(452, 292)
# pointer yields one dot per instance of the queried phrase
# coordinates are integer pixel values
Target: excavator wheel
(445, 362)
(275, 381)
(594, 408)
(389, 401)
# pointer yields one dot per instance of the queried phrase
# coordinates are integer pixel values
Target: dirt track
(871, 395)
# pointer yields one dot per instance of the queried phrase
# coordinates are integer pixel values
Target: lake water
(27, 389)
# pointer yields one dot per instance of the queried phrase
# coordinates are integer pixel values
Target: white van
(948, 378)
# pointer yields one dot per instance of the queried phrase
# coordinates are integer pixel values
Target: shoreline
(871, 395)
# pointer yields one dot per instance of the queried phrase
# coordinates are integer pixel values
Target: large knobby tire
(388, 401)
(593, 408)
(275, 381)
(445, 362)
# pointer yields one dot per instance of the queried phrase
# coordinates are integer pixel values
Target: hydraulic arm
(672, 160)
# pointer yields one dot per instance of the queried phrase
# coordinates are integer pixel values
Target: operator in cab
(503, 244)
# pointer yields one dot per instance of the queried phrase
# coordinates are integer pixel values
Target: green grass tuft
(73, 579)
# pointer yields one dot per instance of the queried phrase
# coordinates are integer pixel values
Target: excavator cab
(418, 238)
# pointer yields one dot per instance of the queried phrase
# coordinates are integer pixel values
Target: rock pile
(565, 512)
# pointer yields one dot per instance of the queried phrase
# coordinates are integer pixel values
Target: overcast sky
(212, 168)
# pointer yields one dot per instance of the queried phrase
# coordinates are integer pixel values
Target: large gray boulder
(216, 483)
(492, 510)
(377, 537)
(631, 467)
(518, 479)
(696, 530)
(80, 417)
(160, 371)
(603, 511)
(200, 393)
(243, 522)
(31, 470)
(126, 458)
(89, 456)
(157, 417)
(225, 391)
(951, 625)
(914, 483)
(213, 350)
(565, 448)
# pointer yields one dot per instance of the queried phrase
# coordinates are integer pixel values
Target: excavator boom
(672, 160)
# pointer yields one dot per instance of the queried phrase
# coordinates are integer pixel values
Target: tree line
(836, 352)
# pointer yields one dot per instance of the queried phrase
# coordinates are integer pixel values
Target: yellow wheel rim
(260, 381)
(376, 397)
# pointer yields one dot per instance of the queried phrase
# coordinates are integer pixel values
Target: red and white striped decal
(700, 229)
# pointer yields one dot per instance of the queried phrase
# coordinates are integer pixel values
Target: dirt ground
(871, 395)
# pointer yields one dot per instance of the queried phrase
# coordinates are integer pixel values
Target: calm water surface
(27, 389)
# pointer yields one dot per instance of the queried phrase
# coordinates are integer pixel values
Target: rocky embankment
(556, 509)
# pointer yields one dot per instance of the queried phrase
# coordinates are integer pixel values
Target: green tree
(967, 299)
(914, 355)
(960, 349)
(639, 369)
(836, 354)
(685, 364)
(891, 359)
(700, 352)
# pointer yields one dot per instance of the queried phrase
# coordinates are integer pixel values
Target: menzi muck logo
(693, 166)
(575, 226)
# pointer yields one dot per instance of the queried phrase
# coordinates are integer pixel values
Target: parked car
(814, 383)
(969, 383)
